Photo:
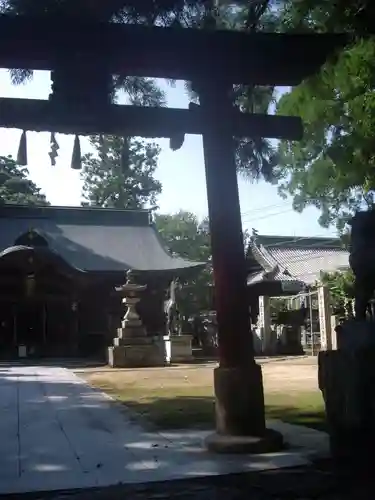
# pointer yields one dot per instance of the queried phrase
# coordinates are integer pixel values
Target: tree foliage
(114, 181)
(185, 236)
(15, 187)
(341, 288)
(325, 16)
(188, 237)
(332, 168)
(124, 11)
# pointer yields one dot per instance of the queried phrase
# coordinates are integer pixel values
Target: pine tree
(120, 173)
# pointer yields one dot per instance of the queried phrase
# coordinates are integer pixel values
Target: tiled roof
(307, 264)
(302, 258)
(93, 239)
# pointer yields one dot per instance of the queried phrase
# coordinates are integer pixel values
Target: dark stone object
(355, 334)
(361, 259)
(291, 346)
(347, 382)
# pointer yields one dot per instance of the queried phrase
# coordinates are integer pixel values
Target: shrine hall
(59, 269)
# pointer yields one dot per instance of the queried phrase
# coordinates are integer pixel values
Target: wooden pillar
(240, 419)
(228, 255)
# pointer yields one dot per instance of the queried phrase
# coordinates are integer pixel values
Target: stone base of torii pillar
(240, 419)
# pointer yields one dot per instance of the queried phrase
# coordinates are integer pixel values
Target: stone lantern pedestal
(132, 347)
(181, 348)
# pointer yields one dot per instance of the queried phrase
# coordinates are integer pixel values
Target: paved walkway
(59, 433)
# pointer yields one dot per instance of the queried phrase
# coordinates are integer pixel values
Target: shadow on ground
(311, 482)
(199, 412)
(176, 412)
(314, 418)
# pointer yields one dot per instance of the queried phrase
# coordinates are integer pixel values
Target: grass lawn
(182, 397)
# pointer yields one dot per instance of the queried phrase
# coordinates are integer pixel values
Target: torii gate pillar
(240, 418)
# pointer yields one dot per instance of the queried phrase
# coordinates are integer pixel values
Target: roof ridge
(68, 208)
(267, 261)
(273, 264)
(291, 238)
(89, 216)
(272, 241)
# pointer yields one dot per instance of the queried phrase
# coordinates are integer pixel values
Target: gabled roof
(300, 259)
(93, 239)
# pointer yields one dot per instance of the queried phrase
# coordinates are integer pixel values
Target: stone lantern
(132, 347)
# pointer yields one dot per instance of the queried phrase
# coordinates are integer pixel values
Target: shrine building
(287, 265)
(296, 260)
(59, 269)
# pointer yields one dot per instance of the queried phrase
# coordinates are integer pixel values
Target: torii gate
(83, 56)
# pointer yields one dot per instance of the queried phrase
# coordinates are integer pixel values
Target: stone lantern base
(140, 353)
(132, 348)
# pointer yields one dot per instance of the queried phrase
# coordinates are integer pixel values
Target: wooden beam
(43, 116)
(185, 54)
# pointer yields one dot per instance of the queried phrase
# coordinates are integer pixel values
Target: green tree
(341, 287)
(332, 168)
(322, 15)
(188, 237)
(114, 181)
(15, 187)
(185, 236)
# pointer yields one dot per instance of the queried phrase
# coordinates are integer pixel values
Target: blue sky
(181, 173)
